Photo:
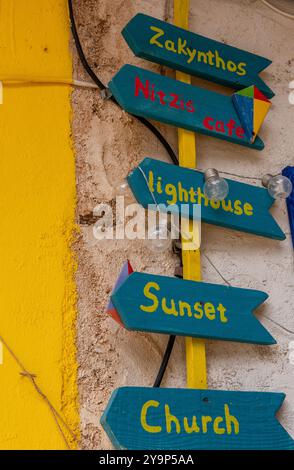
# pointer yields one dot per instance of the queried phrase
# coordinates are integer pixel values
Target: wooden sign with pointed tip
(148, 94)
(179, 49)
(246, 208)
(168, 305)
(138, 418)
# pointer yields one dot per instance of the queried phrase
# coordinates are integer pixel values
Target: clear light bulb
(159, 239)
(123, 189)
(215, 187)
(279, 186)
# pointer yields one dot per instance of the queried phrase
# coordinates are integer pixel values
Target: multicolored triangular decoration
(125, 272)
(252, 107)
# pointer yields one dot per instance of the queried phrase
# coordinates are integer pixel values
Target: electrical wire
(246, 177)
(102, 87)
(98, 84)
(257, 178)
(177, 228)
(165, 360)
(46, 81)
(229, 284)
(174, 159)
(149, 126)
(277, 10)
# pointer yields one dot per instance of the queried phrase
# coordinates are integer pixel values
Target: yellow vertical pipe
(37, 203)
(195, 348)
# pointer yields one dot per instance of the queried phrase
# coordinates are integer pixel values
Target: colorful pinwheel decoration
(125, 272)
(252, 107)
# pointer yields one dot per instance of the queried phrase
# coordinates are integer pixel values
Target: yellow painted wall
(37, 205)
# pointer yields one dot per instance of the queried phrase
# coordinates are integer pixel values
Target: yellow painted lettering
(159, 33)
(151, 181)
(192, 195)
(170, 419)
(238, 207)
(171, 190)
(198, 308)
(232, 67)
(192, 54)
(145, 426)
(158, 185)
(202, 57)
(170, 45)
(181, 46)
(227, 205)
(210, 56)
(150, 296)
(222, 310)
(216, 424)
(248, 209)
(169, 310)
(231, 419)
(214, 204)
(209, 311)
(241, 69)
(219, 62)
(202, 196)
(183, 193)
(194, 426)
(185, 308)
(205, 421)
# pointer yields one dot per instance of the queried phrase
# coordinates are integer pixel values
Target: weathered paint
(162, 304)
(195, 348)
(179, 190)
(164, 99)
(37, 197)
(245, 260)
(177, 48)
(175, 419)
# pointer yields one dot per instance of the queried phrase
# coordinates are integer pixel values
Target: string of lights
(215, 187)
(147, 124)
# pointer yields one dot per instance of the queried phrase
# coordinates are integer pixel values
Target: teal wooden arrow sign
(177, 48)
(164, 99)
(182, 419)
(161, 304)
(246, 207)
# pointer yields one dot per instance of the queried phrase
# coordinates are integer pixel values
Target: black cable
(98, 82)
(164, 361)
(157, 134)
(160, 137)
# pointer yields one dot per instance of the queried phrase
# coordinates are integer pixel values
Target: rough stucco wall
(109, 143)
(37, 200)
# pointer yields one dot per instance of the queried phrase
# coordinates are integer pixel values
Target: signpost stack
(194, 417)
